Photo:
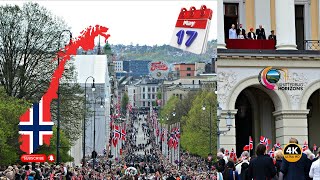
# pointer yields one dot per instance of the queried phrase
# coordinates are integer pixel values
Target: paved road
(141, 139)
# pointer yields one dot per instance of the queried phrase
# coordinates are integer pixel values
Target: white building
(118, 66)
(95, 66)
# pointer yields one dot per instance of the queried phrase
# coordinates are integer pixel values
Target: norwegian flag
(116, 131)
(129, 107)
(305, 146)
(36, 126)
(265, 141)
(227, 153)
(314, 147)
(177, 133)
(277, 146)
(115, 141)
(123, 134)
(162, 135)
(250, 146)
(271, 153)
(233, 155)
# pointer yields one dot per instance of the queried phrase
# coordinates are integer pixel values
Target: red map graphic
(86, 41)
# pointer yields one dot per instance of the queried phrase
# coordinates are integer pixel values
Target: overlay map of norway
(35, 127)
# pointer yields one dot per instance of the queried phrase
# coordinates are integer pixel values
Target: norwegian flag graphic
(35, 126)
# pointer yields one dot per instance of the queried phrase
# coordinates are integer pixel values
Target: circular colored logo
(268, 77)
(273, 76)
(292, 152)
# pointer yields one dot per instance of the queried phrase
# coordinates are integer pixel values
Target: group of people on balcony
(240, 33)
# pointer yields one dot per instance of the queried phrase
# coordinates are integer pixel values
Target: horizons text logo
(269, 77)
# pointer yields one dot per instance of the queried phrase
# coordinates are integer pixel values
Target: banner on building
(158, 69)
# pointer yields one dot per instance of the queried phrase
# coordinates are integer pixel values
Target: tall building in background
(95, 66)
(136, 68)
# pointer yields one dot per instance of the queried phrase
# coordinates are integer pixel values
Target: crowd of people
(143, 159)
(240, 33)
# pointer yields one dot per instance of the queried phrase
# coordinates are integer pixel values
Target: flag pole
(249, 146)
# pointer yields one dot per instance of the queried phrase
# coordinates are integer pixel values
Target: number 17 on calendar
(191, 30)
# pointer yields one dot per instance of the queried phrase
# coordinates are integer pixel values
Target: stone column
(228, 141)
(220, 25)
(291, 123)
(285, 28)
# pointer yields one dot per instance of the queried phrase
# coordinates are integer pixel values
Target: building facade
(291, 109)
(189, 69)
(181, 87)
(118, 66)
(136, 68)
(95, 66)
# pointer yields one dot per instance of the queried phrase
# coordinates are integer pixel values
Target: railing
(312, 45)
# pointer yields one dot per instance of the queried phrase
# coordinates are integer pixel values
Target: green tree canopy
(167, 110)
(196, 131)
(124, 102)
(10, 110)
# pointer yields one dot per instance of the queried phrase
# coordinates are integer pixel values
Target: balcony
(250, 44)
(269, 45)
(312, 45)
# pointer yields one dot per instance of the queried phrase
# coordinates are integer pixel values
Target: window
(148, 96)
(148, 103)
(153, 96)
(188, 68)
(152, 89)
(143, 89)
(188, 74)
(134, 91)
(143, 96)
(148, 89)
(192, 81)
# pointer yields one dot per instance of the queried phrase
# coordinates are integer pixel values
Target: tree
(124, 102)
(167, 110)
(10, 110)
(29, 38)
(195, 137)
(64, 149)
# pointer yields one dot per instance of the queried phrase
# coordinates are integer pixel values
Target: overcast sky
(137, 22)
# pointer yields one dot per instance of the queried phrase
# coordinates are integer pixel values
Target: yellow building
(294, 21)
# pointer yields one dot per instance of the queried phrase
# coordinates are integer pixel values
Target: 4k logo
(292, 152)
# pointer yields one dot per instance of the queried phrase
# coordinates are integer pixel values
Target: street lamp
(58, 104)
(94, 127)
(84, 118)
(228, 124)
(204, 108)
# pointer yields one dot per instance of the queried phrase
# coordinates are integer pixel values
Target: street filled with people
(142, 158)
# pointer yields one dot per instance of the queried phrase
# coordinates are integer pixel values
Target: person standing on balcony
(232, 32)
(260, 33)
(241, 30)
(273, 37)
(251, 34)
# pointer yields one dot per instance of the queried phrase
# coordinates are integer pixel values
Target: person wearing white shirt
(245, 159)
(232, 32)
(315, 169)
